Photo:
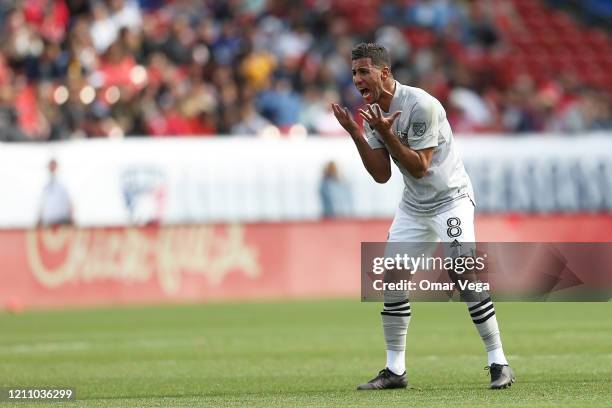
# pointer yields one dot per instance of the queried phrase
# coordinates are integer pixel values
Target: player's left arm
(416, 160)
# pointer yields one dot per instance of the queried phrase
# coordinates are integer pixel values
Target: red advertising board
(82, 267)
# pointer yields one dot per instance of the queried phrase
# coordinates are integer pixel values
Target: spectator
(281, 104)
(334, 193)
(251, 123)
(56, 207)
(136, 67)
(589, 112)
(474, 112)
(103, 29)
(9, 126)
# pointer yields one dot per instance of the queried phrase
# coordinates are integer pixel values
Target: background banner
(136, 182)
(68, 266)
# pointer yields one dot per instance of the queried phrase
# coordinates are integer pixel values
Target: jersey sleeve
(372, 137)
(424, 126)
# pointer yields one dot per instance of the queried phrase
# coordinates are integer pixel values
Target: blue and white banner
(138, 181)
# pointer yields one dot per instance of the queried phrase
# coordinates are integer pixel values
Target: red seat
(561, 21)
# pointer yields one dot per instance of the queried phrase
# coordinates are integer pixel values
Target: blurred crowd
(114, 68)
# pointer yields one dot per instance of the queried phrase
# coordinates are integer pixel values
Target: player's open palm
(375, 118)
(345, 118)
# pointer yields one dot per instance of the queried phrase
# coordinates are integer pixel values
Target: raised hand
(345, 118)
(375, 118)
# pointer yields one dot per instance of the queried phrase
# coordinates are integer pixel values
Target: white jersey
(423, 124)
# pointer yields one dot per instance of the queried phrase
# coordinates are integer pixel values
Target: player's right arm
(376, 161)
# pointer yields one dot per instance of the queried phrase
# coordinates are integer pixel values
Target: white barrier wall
(233, 179)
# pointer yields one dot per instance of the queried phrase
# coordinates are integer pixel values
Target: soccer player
(408, 125)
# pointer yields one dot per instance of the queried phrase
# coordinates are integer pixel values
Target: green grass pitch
(307, 353)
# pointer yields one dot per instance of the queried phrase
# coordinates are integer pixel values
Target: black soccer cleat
(502, 376)
(385, 380)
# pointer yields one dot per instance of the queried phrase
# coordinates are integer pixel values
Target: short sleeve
(372, 137)
(424, 125)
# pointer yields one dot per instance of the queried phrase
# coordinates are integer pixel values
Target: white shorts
(454, 224)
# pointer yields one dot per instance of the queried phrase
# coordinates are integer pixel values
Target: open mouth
(365, 92)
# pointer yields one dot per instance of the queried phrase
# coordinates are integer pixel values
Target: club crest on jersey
(419, 128)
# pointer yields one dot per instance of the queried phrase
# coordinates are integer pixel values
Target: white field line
(77, 346)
